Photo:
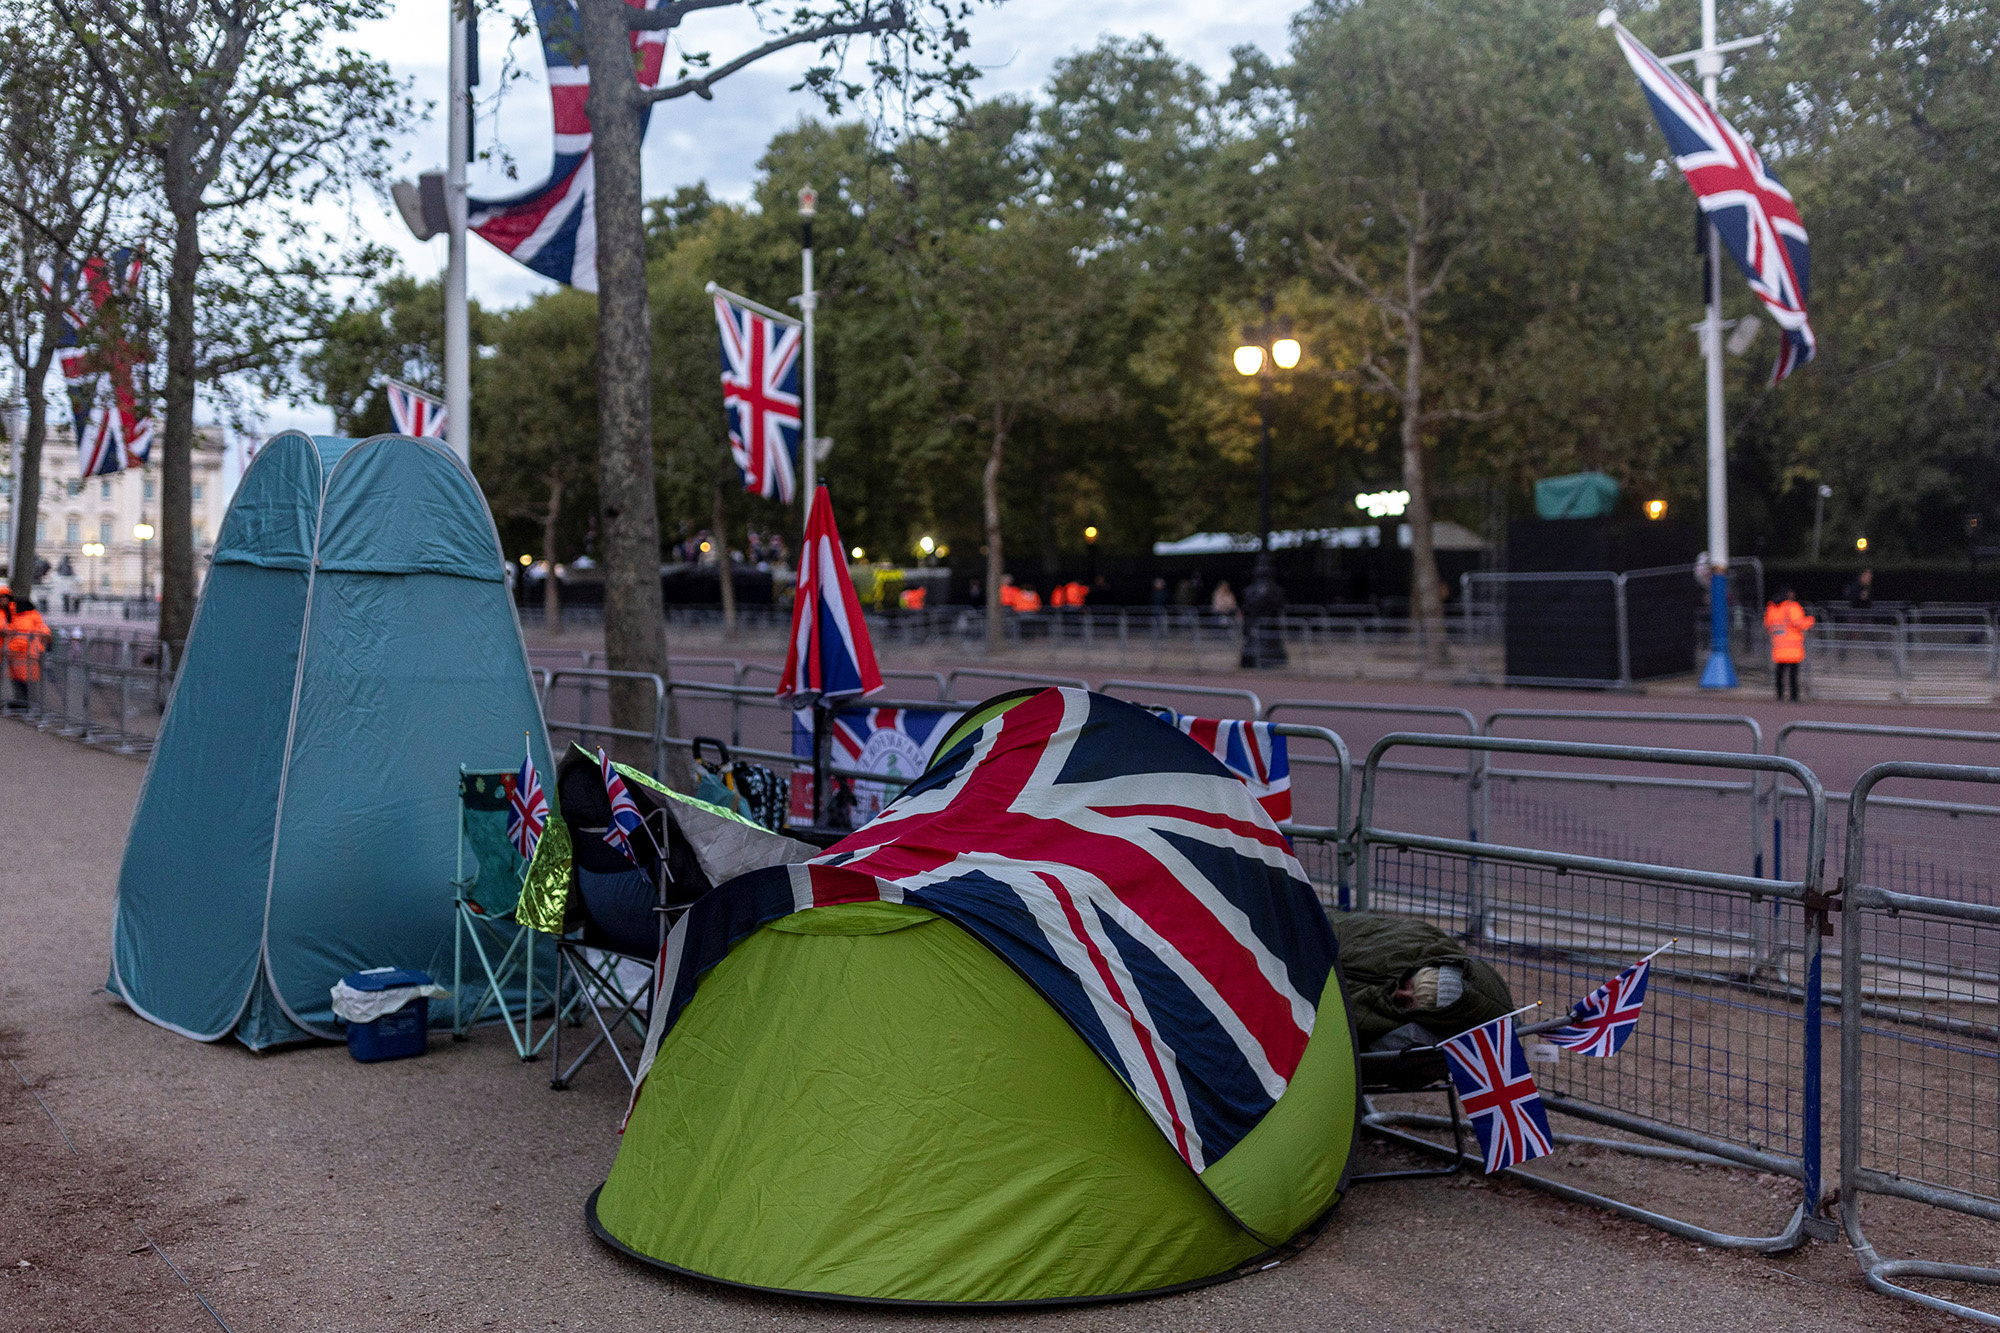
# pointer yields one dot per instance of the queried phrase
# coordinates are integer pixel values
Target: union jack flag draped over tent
(553, 227)
(1754, 215)
(1602, 1020)
(97, 364)
(1254, 752)
(1119, 868)
(830, 655)
(760, 395)
(1490, 1071)
(414, 411)
(527, 809)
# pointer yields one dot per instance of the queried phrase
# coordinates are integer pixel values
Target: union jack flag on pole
(1499, 1095)
(1128, 876)
(1751, 212)
(111, 432)
(1603, 1019)
(527, 809)
(760, 393)
(625, 817)
(414, 411)
(830, 655)
(552, 228)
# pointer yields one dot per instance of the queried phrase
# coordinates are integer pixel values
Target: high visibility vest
(1787, 623)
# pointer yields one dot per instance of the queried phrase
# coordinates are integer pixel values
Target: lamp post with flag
(808, 302)
(1746, 210)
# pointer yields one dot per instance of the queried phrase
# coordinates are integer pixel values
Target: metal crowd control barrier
(1725, 1066)
(1949, 810)
(99, 701)
(1154, 687)
(1755, 787)
(1012, 677)
(1472, 772)
(590, 683)
(1918, 1058)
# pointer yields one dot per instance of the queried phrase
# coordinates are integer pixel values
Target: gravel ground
(298, 1190)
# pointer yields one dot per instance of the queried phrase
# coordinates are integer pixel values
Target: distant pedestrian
(1787, 623)
(1861, 592)
(1222, 601)
(1159, 591)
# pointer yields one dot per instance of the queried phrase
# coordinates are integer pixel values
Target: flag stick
(1489, 1022)
(1662, 949)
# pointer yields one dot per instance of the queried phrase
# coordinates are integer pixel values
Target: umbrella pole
(820, 747)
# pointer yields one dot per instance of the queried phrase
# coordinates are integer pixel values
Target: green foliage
(1087, 261)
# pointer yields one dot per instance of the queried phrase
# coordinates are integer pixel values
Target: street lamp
(94, 550)
(1656, 509)
(1264, 345)
(143, 533)
(1819, 516)
(1090, 546)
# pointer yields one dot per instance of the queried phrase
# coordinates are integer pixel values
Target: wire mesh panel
(1920, 1063)
(1721, 1049)
(1724, 1068)
(1660, 821)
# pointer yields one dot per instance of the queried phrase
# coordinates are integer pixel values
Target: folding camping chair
(603, 971)
(1412, 1069)
(483, 916)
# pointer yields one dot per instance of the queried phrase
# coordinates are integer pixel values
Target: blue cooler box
(396, 1036)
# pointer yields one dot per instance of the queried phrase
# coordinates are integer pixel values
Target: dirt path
(301, 1191)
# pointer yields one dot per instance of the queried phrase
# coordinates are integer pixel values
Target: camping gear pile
(1063, 1022)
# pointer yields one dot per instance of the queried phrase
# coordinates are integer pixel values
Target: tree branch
(670, 16)
(702, 86)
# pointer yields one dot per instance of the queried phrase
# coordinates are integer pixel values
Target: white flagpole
(457, 325)
(808, 302)
(1720, 671)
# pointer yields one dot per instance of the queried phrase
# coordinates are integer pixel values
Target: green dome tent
(1063, 1023)
(353, 647)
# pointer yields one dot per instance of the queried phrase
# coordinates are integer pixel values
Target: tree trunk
(1426, 589)
(996, 562)
(635, 632)
(551, 594)
(724, 569)
(176, 533)
(28, 481)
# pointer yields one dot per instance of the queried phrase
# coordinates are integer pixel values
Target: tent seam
(265, 977)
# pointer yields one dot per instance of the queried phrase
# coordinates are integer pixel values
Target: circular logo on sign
(892, 754)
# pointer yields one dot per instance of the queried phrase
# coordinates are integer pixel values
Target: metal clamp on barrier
(1917, 1056)
(1724, 1070)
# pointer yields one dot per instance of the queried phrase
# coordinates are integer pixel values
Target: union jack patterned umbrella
(830, 656)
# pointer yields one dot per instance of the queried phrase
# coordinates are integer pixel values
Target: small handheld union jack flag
(1499, 1095)
(1603, 1019)
(625, 817)
(527, 809)
(415, 412)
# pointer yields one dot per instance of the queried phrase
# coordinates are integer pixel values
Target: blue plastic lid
(385, 978)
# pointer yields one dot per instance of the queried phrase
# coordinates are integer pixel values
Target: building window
(6, 533)
(149, 488)
(197, 491)
(104, 489)
(41, 529)
(104, 531)
(201, 534)
(73, 531)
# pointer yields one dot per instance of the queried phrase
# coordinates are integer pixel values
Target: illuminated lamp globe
(1249, 360)
(1285, 352)
(1656, 509)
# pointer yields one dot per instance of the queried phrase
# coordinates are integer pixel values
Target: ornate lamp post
(1265, 346)
(143, 533)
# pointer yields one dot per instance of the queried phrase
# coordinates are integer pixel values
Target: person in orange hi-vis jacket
(24, 637)
(1787, 623)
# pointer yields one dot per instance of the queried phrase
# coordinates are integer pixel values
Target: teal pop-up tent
(354, 646)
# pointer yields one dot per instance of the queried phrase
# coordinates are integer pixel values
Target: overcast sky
(1015, 44)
